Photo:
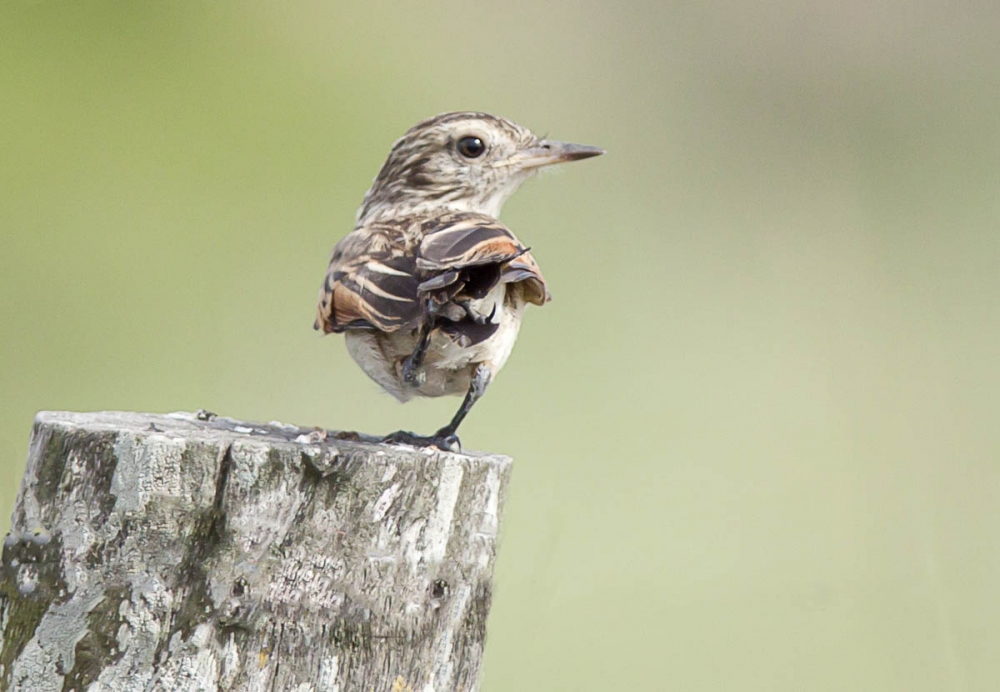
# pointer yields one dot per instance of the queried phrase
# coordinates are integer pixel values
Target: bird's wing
(371, 282)
(478, 251)
(384, 276)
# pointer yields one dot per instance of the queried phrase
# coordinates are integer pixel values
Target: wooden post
(192, 552)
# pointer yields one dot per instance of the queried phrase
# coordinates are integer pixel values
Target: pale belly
(448, 366)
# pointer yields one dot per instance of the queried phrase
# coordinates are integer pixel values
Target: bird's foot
(447, 443)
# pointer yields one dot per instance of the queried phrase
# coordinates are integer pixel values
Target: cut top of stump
(205, 426)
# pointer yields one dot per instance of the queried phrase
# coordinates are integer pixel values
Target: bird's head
(462, 162)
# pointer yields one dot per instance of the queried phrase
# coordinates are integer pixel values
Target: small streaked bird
(429, 288)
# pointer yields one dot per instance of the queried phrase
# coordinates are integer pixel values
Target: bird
(429, 288)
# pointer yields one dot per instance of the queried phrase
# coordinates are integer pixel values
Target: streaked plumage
(429, 288)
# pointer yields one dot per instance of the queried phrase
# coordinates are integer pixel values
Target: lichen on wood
(193, 552)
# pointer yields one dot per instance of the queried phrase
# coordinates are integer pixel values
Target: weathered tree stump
(190, 552)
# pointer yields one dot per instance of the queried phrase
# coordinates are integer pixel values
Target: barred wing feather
(466, 240)
(383, 277)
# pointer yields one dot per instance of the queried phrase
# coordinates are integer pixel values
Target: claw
(477, 317)
(451, 443)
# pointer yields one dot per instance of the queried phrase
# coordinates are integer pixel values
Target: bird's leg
(480, 380)
(445, 438)
(413, 367)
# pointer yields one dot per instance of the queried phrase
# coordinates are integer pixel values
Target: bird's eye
(471, 147)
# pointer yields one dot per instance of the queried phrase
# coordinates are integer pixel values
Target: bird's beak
(548, 151)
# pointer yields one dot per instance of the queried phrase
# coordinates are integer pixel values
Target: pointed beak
(548, 151)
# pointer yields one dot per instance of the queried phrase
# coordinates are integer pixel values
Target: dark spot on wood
(98, 648)
(207, 535)
(51, 464)
(440, 588)
(55, 478)
(22, 612)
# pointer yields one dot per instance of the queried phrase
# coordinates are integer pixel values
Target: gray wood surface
(192, 552)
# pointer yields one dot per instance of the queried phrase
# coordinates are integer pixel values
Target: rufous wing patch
(463, 240)
(370, 287)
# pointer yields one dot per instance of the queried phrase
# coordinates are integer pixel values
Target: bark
(191, 552)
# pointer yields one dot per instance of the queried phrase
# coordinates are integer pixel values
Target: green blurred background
(756, 433)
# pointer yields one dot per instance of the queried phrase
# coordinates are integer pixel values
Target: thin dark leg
(480, 380)
(445, 438)
(413, 366)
